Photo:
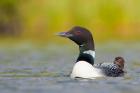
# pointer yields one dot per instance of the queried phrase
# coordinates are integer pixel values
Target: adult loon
(84, 66)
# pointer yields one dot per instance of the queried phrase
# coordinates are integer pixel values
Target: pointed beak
(64, 34)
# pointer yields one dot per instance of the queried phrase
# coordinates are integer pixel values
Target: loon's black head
(120, 62)
(79, 35)
(82, 37)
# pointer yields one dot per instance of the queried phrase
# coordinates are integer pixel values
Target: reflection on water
(29, 69)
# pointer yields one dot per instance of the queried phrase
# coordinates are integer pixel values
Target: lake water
(26, 68)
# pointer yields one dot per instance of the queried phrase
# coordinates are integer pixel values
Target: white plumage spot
(91, 52)
(85, 70)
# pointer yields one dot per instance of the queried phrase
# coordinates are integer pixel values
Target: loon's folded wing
(110, 69)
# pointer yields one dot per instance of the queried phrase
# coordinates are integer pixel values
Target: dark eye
(78, 32)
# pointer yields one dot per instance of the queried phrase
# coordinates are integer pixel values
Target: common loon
(84, 66)
(114, 69)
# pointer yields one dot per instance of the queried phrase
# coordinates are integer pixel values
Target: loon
(84, 66)
(114, 69)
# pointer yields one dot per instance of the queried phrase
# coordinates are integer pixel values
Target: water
(29, 69)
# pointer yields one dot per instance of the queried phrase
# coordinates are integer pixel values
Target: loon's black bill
(64, 34)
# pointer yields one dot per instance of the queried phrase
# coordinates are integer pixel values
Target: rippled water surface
(30, 69)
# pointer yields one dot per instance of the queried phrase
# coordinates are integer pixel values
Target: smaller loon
(84, 66)
(114, 69)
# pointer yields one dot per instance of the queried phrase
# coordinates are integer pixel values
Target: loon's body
(84, 66)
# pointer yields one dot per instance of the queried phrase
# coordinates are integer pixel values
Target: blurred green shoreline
(37, 21)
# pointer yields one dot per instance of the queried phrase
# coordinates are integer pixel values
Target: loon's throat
(86, 47)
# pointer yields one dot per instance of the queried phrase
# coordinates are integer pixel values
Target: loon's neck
(87, 53)
(86, 47)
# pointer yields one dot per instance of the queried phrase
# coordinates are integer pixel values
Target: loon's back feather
(110, 69)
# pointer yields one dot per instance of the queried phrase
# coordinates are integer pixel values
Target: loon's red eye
(78, 32)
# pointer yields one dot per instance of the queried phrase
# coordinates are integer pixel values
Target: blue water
(26, 68)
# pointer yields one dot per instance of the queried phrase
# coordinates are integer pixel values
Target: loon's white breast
(83, 69)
